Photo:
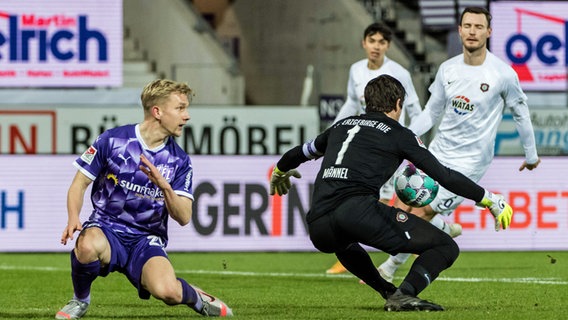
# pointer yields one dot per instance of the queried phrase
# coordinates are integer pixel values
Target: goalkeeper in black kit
(360, 154)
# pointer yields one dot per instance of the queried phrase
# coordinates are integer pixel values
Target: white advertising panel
(211, 130)
(531, 36)
(60, 43)
(234, 212)
(233, 209)
(539, 199)
(227, 130)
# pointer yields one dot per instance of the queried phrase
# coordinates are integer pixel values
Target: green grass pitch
(479, 286)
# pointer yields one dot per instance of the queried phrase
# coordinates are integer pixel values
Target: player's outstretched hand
(529, 166)
(499, 208)
(152, 172)
(280, 181)
(72, 226)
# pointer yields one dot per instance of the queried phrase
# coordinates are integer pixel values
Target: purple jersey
(123, 197)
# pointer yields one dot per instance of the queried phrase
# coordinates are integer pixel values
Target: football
(414, 187)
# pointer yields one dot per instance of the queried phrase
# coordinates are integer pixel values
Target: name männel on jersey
(335, 173)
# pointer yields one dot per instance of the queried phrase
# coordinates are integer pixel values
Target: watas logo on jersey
(462, 105)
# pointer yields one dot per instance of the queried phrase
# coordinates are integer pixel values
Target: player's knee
(450, 251)
(170, 292)
(90, 244)
(322, 236)
(455, 250)
(85, 250)
(324, 242)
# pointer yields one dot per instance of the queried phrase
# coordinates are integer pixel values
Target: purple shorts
(128, 254)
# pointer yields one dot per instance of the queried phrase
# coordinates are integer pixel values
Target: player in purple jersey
(141, 177)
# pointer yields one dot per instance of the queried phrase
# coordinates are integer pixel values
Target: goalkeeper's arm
(459, 184)
(286, 166)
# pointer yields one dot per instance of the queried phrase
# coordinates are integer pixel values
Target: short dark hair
(477, 10)
(377, 27)
(381, 94)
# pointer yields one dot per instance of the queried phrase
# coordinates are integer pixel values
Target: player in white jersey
(363, 71)
(376, 41)
(467, 98)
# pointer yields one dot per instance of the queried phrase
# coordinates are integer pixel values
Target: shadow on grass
(93, 315)
(24, 315)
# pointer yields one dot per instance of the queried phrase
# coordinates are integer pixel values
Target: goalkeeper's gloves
(280, 181)
(500, 209)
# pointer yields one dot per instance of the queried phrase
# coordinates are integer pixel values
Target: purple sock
(83, 276)
(190, 296)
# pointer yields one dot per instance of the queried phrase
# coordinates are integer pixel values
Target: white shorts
(445, 202)
(387, 190)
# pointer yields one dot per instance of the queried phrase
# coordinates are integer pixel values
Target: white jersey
(360, 75)
(470, 101)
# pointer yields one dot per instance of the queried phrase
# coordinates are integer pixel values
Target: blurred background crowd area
(267, 75)
(245, 53)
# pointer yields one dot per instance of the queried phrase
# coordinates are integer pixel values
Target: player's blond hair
(157, 91)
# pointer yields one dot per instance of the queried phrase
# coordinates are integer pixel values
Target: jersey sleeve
(434, 108)
(183, 180)
(411, 98)
(516, 100)
(351, 105)
(415, 151)
(93, 160)
(308, 151)
(413, 110)
(412, 106)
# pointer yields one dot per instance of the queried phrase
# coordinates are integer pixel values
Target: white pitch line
(26, 268)
(551, 281)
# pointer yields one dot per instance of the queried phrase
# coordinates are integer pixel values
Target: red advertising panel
(531, 37)
(60, 43)
(28, 131)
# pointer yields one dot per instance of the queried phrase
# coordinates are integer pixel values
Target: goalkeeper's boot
(337, 268)
(75, 309)
(455, 229)
(403, 302)
(212, 306)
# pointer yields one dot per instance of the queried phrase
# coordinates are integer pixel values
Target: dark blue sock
(83, 276)
(190, 296)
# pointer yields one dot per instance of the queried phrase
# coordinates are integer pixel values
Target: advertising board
(531, 37)
(550, 130)
(61, 43)
(211, 130)
(233, 210)
(227, 130)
